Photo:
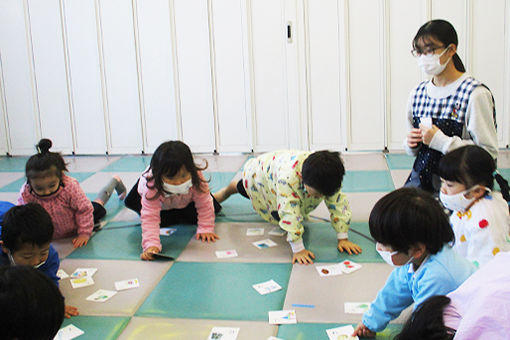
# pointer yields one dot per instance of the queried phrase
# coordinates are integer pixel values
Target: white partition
(366, 75)
(17, 79)
(404, 73)
(323, 73)
(121, 77)
(157, 71)
(4, 138)
(194, 67)
(85, 76)
(231, 75)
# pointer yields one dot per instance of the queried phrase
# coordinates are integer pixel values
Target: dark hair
(471, 165)
(323, 171)
(45, 162)
(31, 306)
(443, 31)
(426, 322)
(168, 159)
(28, 223)
(408, 216)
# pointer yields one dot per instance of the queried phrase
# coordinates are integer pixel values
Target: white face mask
(388, 256)
(458, 202)
(430, 63)
(182, 188)
(11, 260)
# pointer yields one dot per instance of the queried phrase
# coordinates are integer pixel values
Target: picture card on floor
(267, 287)
(127, 284)
(264, 244)
(277, 231)
(224, 254)
(163, 256)
(82, 282)
(356, 307)
(330, 270)
(344, 333)
(62, 274)
(274, 338)
(82, 272)
(101, 295)
(349, 266)
(167, 231)
(68, 333)
(223, 333)
(279, 317)
(255, 232)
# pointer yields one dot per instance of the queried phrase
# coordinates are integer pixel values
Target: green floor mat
(400, 161)
(98, 327)
(368, 181)
(13, 164)
(317, 331)
(129, 164)
(217, 291)
(320, 238)
(113, 243)
(17, 184)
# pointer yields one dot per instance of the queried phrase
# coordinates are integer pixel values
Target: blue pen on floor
(303, 306)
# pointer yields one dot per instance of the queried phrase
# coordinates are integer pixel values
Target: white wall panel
(85, 75)
(120, 72)
(366, 61)
(325, 123)
(194, 67)
(17, 78)
(157, 61)
(488, 35)
(269, 39)
(231, 76)
(4, 146)
(50, 73)
(404, 73)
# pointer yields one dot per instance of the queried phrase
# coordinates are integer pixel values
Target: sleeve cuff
(342, 236)
(297, 246)
(440, 142)
(205, 229)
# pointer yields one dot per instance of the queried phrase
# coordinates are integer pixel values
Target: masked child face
(29, 254)
(45, 186)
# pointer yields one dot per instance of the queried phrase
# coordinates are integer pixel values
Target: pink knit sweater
(70, 210)
(151, 208)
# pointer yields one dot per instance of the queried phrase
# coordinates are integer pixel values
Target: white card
(426, 121)
(343, 333)
(62, 274)
(225, 254)
(68, 333)
(277, 231)
(255, 232)
(223, 333)
(279, 317)
(267, 243)
(82, 272)
(267, 287)
(349, 266)
(274, 338)
(127, 284)
(356, 307)
(330, 270)
(82, 282)
(167, 231)
(101, 295)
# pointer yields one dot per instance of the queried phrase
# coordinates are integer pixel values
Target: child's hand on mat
(209, 237)
(303, 257)
(70, 311)
(363, 331)
(428, 133)
(80, 241)
(414, 137)
(147, 256)
(349, 247)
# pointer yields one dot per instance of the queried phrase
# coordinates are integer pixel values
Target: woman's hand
(428, 133)
(414, 137)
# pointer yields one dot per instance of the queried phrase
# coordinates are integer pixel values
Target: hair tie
(495, 173)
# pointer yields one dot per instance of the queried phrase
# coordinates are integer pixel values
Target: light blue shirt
(439, 274)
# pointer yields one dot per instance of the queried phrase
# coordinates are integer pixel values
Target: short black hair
(427, 323)
(31, 306)
(29, 223)
(323, 171)
(45, 162)
(408, 216)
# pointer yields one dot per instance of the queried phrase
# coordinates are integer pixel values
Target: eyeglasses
(428, 50)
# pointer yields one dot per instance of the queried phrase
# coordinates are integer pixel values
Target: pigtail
(45, 160)
(503, 184)
(44, 146)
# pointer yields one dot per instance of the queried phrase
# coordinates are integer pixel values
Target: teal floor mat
(317, 331)
(400, 161)
(217, 291)
(124, 243)
(320, 238)
(12, 164)
(98, 327)
(129, 164)
(16, 185)
(367, 181)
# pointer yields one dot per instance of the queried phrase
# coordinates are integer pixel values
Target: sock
(120, 188)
